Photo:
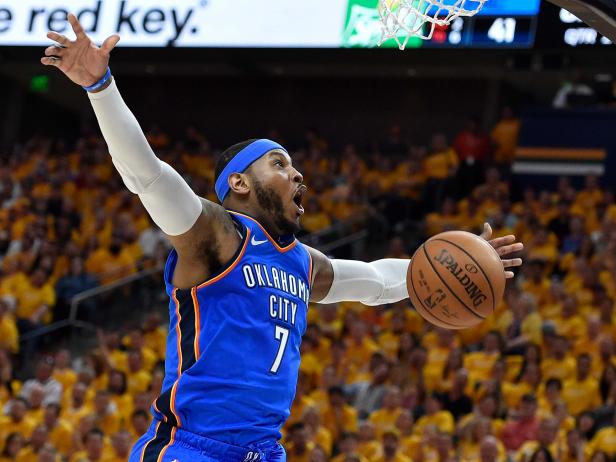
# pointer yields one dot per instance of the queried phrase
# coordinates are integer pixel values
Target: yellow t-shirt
(479, 364)
(505, 135)
(526, 451)
(345, 420)
(25, 427)
(359, 354)
(61, 436)
(316, 221)
(29, 300)
(138, 381)
(442, 420)
(513, 392)
(371, 450)
(384, 419)
(563, 370)
(9, 335)
(604, 440)
(540, 290)
(581, 396)
(439, 164)
(573, 328)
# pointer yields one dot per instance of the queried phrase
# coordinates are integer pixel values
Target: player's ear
(239, 183)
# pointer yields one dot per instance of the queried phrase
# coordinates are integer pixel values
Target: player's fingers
(79, 32)
(501, 241)
(512, 262)
(51, 61)
(509, 275)
(508, 249)
(61, 39)
(487, 231)
(110, 43)
(54, 50)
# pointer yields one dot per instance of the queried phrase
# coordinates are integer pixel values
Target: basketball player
(239, 282)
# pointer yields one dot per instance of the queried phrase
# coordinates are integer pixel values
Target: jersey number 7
(282, 335)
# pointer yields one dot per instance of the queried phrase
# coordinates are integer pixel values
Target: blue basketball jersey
(233, 349)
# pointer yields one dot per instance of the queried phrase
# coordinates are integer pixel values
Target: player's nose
(297, 177)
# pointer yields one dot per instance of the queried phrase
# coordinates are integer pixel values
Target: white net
(403, 19)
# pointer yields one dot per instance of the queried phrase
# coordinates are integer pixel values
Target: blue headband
(241, 162)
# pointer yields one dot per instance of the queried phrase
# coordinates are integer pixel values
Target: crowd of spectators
(534, 382)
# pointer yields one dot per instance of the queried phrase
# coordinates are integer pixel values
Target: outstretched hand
(81, 60)
(505, 246)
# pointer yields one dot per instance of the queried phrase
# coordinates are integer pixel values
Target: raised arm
(188, 220)
(382, 281)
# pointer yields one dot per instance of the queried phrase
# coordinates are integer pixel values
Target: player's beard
(272, 205)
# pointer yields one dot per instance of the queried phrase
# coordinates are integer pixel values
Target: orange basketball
(455, 280)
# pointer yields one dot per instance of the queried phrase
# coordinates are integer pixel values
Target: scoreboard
(501, 23)
(518, 24)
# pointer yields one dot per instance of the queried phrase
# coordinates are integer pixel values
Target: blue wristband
(100, 83)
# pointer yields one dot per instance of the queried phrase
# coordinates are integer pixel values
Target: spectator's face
(573, 440)
(76, 266)
(135, 361)
(121, 443)
(349, 444)
(390, 444)
(136, 339)
(432, 405)
(552, 391)
(547, 432)
(405, 421)
(18, 410)
(15, 445)
(141, 401)
(528, 409)
(583, 366)
(317, 455)
(116, 382)
(43, 371)
(367, 432)
(488, 451)
(299, 437)
(38, 278)
(63, 359)
(94, 446)
(51, 415)
(491, 343)
(391, 400)
(487, 406)
(47, 454)
(140, 424)
(36, 397)
(39, 436)
(79, 394)
(586, 423)
(101, 402)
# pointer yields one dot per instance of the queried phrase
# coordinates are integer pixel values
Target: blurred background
(508, 117)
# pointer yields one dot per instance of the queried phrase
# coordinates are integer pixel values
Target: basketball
(455, 280)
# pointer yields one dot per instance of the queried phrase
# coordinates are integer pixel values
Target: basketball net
(403, 19)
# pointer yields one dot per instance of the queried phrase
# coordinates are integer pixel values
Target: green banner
(363, 27)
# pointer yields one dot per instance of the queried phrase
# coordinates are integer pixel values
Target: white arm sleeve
(171, 203)
(376, 283)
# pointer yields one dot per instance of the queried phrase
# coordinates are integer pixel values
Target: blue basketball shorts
(165, 443)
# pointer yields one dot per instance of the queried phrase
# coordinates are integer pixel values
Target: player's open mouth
(297, 199)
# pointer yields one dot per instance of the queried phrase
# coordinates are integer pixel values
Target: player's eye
(278, 162)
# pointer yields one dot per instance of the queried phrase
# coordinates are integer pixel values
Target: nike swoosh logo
(255, 242)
